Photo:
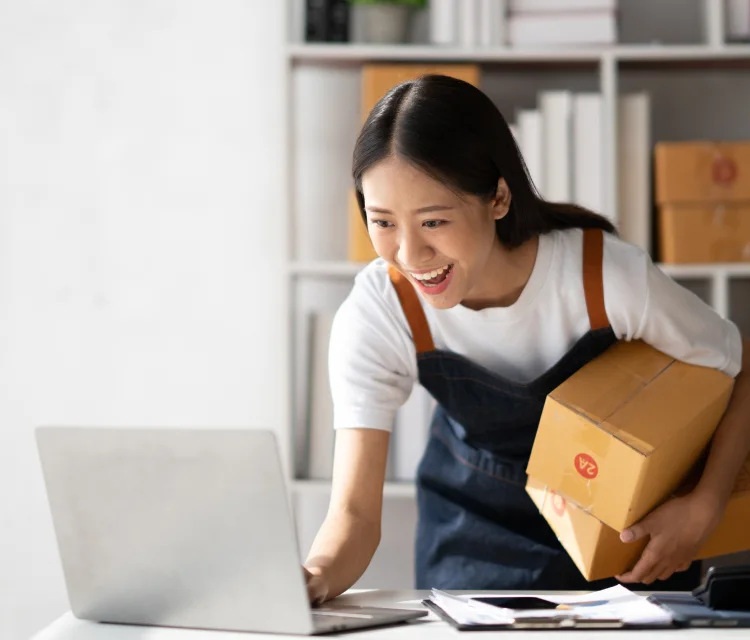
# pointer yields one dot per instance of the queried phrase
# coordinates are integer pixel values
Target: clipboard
(556, 624)
(536, 624)
(612, 608)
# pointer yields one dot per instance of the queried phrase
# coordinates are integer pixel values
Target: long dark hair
(453, 132)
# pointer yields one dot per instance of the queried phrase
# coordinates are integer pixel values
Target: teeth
(431, 274)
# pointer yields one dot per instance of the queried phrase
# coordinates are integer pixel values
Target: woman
(478, 294)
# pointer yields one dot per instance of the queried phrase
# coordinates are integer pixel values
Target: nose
(413, 251)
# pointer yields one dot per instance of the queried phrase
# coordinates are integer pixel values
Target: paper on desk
(463, 611)
(614, 603)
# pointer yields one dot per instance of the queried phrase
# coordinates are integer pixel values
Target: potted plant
(383, 21)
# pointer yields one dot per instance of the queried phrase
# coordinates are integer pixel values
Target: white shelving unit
(611, 71)
(712, 281)
(655, 54)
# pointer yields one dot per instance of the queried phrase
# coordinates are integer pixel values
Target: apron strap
(593, 281)
(413, 311)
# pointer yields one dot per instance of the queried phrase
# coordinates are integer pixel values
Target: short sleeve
(372, 361)
(644, 303)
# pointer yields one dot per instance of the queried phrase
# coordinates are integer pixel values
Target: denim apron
(477, 528)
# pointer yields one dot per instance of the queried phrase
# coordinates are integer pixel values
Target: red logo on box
(724, 171)
(586, 466)
(558, 503)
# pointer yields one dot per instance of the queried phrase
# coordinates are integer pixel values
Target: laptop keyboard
(332, 620)
(329, 621)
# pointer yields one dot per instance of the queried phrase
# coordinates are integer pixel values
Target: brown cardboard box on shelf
(360, 245)
(596, 548)
(702, 172)
(704, 232)
(622, 433)
(703, 193)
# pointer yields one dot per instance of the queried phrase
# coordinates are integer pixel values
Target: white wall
(141, 238)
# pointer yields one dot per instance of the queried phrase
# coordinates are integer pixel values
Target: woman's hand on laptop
(317, 588)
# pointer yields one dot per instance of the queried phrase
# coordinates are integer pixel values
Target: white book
(411, 432)
(737, 18)
(556, 108)
(468, 21)
(531, 143)
(559, 6)
(554, 30)
(634, 169)
(492, 15)
(443, 15)
(588, 170)
(320, 402)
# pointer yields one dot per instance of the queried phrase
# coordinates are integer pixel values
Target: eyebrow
(428, 209)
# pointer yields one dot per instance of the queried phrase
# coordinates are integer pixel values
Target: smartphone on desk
(518, 603)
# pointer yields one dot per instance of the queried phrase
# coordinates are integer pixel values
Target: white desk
(69, 628)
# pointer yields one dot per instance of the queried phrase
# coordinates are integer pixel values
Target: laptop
(183, 528)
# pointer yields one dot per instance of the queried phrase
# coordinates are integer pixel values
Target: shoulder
(625, 277)
(371, 314)
(622, 262)
(373, 295)
(619, 256)
(374, 282)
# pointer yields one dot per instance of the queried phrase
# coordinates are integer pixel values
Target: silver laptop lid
(175, 527)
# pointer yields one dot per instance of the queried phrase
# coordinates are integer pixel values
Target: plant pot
(381, 23)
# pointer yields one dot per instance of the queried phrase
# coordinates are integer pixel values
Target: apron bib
(477, 527)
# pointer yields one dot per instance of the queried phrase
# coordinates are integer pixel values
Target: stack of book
(468, 23)
(561, 141)
(561, 23)
(738, 20)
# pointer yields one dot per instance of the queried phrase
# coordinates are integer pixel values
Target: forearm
(342, 550)
(730, 445)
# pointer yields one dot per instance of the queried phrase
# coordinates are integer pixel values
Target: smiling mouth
(434, 278)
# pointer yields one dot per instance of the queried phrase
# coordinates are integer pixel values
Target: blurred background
(176, 217)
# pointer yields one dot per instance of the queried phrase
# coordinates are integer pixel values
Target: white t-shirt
(372, 359)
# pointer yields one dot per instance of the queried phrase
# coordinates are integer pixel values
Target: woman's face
(441, 241)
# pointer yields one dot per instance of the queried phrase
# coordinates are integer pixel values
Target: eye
(433, 224)
(383, 224)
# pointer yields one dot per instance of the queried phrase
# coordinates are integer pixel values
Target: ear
(501, 202)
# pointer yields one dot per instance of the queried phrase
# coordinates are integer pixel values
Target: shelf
(677, 53)
(726, 269)
(323, 487)
(344, 269)
(357, 53)
(641, 54)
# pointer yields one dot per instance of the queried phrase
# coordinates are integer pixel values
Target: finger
(666, 573)
(685, 566)
(636, 531)
(661, 568)
(316, 591)
(648, 580)
(313, 593)
(645, 565)
(644, 576)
